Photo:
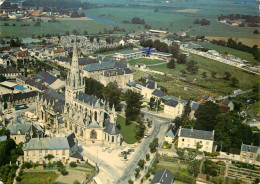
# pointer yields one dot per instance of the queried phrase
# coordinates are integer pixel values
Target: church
(89, 117)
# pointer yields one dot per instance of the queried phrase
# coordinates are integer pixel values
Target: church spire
(75, 72)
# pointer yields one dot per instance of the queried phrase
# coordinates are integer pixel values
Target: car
(124, 159)
(139, 141)
(146, 135)
(109, 150)
(104, 149)
(131, 150)
(121, 155)
(125, 152)
(133, 146)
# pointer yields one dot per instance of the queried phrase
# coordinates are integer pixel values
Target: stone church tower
(74, 82)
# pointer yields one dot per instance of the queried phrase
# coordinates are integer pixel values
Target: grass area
(222, 50)
(127, 131)
(145, 61)
(39, 177)
(214, 86)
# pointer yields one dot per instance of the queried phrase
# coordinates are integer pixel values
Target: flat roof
(8, 84)
(21, 88)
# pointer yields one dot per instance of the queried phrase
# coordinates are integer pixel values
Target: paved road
(158, 131)
(15, 114)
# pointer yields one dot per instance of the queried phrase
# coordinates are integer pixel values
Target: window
(200, 141)
(27, 153)
(46, 152)
(57, 152)
(33, 153)
(40, 152)
(182, 139)
(63, 152)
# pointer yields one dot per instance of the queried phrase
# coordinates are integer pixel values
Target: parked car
(109, 150)
(139, 141)
(124, 159)
(133, 146)
(104, 149)
(131, 150)
(121, 155)
(146, 135)
(125, 152)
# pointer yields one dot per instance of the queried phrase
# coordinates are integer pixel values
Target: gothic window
(95, 116)
(76, 129)
(112, 138)
(70, 127)
(93, 134)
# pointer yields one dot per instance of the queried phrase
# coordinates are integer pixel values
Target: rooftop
(197, 134)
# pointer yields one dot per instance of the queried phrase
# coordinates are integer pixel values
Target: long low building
(134, 54)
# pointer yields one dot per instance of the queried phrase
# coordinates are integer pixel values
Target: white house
(174, 108)
(192, 138)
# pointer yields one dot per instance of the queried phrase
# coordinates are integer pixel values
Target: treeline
(250, 20)
(119, 47)
(75, 14)
(239, 46)
(202, 22)
(67, 4)
(137, 20)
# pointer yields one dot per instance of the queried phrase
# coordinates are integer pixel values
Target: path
(232, 96)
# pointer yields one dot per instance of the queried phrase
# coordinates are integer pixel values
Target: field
(127, 131)
(211, 86)
(222, 50)
(145, 61)
(39, 177)
(247, 41)
(175, 16)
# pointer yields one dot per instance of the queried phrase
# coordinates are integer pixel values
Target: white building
(192, 138)
(174, 108)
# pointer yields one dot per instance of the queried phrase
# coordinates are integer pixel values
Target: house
(123, 42)
(160, 32)
(21, 80)
(23, 133)
(62, 148)
(226, 106)
(163, 176)
(3, 138)
(206, 98)
(174, 108)
(192, 138)
(171, 133)
(22, 54)
(59, 52)
(249, 154)
(10, 72)
(194, 107)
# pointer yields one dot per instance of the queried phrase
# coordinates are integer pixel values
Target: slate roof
(50, 143)
(226, 102)
(21, 77)
(57, 98)
(117, 72)
(249, 148)
(197, 134)
(71, 139)
(158, 93)
(3, 138)
(112, 129)
(24, 128)
(45, 77)
(150, 84)
(9, 70)
(172, 131)
(170, 97)
(36, 84)
(163, 176)
(105, 65)
(172, 103)
(194, 105)
(88, 99)
(17, 96)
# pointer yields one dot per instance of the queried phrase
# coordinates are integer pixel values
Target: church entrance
(93, 134)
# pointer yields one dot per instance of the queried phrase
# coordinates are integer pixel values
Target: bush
(64, 172)
(18, 178)
(76, 182)
(27, 165)
(130, 182)
(73, 164)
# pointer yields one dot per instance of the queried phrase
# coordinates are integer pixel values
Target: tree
(256, 31)
(147, 156)
(141, 163)
(93, 87)
(112, 94)
(204, 75)
(227, 76)
(152, 102)
(130, 182)
(108, 40)
(76, 182)
(181, 59)
(206, 116)
(234, 82)
(49, 157)
(180, 152)
(183, 73)
(133, 104)
(2, 78)
(192, 67)
(171, 64)
(73, 164)
(213, 74)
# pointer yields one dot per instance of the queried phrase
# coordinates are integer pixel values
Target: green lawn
(127, 131)
(145, 61)
(218, 86)
(39, 177)
(222, 50)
